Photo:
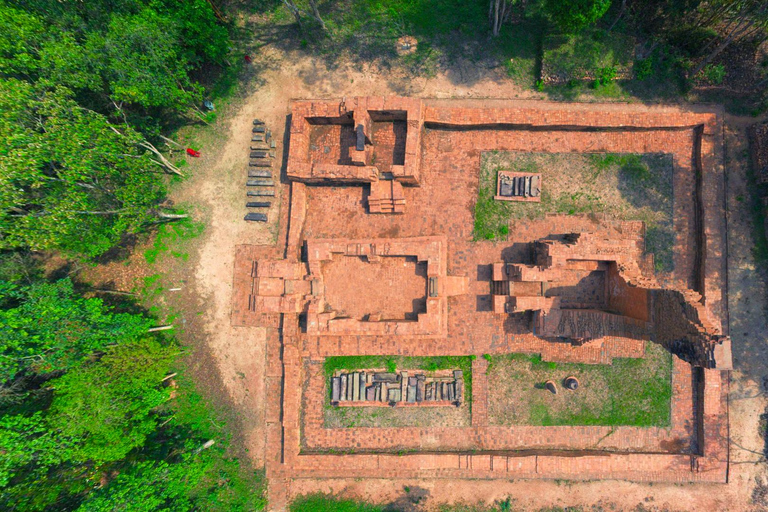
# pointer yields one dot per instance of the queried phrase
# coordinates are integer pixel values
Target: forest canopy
(85, 89)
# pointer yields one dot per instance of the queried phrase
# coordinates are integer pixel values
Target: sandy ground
(238, 353)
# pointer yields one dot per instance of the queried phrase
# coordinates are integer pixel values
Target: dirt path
(216, 189)
(238, 353)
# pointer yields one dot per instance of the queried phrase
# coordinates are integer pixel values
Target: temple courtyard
(445, 270)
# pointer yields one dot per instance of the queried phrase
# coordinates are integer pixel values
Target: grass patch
(383, 417)
(152, 286)
(394, 363)
(621, 186)
(629, 392)
(319, 502)
(171, 235)
(589, 55)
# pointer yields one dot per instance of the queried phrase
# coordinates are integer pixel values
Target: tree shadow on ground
(412, 501)
(452, 37)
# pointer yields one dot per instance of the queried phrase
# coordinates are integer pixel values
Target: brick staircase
(499, 287)
(386, 197)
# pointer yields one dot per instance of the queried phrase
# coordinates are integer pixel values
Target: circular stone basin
(571, 383)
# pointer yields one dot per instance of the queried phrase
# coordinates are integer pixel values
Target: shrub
(582, 56)
(713, 74)
(644, 68)
(605, 75)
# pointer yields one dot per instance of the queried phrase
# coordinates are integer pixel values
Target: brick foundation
(434, 150)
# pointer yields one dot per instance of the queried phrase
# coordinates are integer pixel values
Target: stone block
(355, 386)
(335, 389)
(384, 377)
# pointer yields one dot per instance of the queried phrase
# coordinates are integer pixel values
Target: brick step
(499, 287)
(585, 354)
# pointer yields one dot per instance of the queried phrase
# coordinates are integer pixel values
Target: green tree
(739, 19)
(149, 486)
(35, 469)
(25, 441)
(134, 55)
(201, 36)
(197, 479)
(94, 421)
(69, 179)
(46, 328)
(100, 412)
(107, 406)
(21, 36)
(144, 63)
(571, 16)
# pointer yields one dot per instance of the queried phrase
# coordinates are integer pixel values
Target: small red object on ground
(247, 59)
(192, 152)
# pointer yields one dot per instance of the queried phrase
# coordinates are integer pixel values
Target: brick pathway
(479, 393)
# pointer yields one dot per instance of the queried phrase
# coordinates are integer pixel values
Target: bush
(584, 56)
(644, 68)
(605, 75)
(713, 74)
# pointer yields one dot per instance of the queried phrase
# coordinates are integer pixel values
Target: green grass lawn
(320, 502)
(621, 186)
(629, 392)
(395, 363)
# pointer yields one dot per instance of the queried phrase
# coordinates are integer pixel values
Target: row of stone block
(395, 388)
(259, 170)
(512, 186)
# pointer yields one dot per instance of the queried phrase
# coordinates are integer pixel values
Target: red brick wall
(630, 301)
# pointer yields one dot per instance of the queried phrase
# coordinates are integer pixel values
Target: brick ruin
(374, 142)
(301, 289)
(584, 286)
(344, 280)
